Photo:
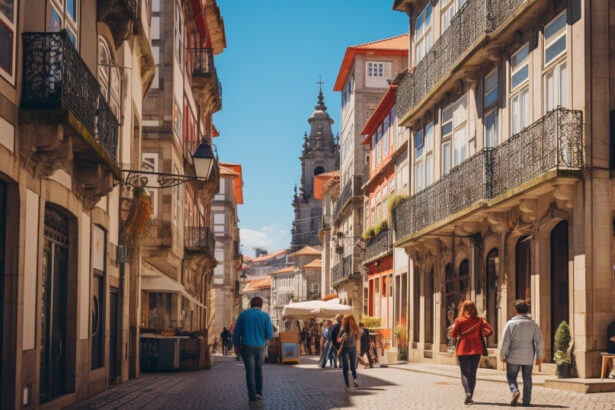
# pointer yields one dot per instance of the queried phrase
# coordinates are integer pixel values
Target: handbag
(483, 338)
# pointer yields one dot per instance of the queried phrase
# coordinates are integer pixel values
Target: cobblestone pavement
(307, 387)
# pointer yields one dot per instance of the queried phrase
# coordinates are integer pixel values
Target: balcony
(351, 189)
(65, 115)
(120, 15)
(549, 148)
(199, 239)
(342, 270)
(205, 85)
(379, 246)
(468, 30)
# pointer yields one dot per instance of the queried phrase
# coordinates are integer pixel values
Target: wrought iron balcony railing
(342, 270)
(199, 239)
(202, 62)
(56, 78)
(379, 245)
(473, 20)
(351, 189)
(553, 143)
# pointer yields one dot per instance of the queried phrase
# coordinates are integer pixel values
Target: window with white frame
(109, 76)
(377, 73)
(460, 131)
(64, 14)
(149, 163)
(8, 22)
(448, 9)
(490, 104)
(423, 157)
(555, 77)
(422, 33)
(446, 131)
(179, 33)
(519, 89)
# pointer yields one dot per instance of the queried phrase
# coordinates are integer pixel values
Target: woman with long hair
(348, 348)
(468, 332)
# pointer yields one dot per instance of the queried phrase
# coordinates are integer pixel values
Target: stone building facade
(326, 189)
(362, 81)
(513, 100)
(224, 219)
(320, 154)
(73, 76)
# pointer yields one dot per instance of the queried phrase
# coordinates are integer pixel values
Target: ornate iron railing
(555, 142)
(351, 189)
(336, 273)
(55, 77)
(202, 61)
(475, 18)
(378, 245)
(199, 239)
(347, 266)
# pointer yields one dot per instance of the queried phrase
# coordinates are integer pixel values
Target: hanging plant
(138, 222)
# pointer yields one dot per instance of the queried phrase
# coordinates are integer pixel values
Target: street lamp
(242, 278)
(203, 160)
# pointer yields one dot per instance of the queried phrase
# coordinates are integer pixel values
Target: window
(149, 163)
(460, 131)
(418, 144)
(490, 100)
(177, 119)
(520, 99)
(378, 72)
(422, 33)
(8, 20)
(108, 76)
(64, 14)
(491, 129)
(491, 89)
(446, 157)
(179, 33)
(375, 69)
(423, 158)
(555, 78)
(448, 10)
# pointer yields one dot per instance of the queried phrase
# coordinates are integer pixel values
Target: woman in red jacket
(468, 331)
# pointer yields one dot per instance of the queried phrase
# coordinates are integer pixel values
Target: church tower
(320, 155)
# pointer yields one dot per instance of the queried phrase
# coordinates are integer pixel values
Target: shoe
(515, 398)
(355, 383)
(468, 399)
(260, 397)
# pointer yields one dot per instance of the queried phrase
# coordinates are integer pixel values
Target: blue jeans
(468, 364)
(333, 356)
(349, 358)
(253, 359)
(512, 370)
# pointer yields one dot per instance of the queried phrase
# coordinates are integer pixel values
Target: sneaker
(355, 383)
(468, 399)
(260, 397)
(515, 398)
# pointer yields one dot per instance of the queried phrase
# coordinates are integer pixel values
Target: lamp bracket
(154, 180)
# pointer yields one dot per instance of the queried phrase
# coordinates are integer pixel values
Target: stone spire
(321, 102)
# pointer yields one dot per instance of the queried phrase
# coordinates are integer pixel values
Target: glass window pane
(418, 144)
(520, 76)
(556, 26)
(446, 157)
(491, 98)
(429, 137)
(428, 169)
(563, 86)
(55, 21)
(428, 15)
(71, 9)
(7, 8)
(525, 112)
(555, 49)
(521, 55)
(6, 49)
(447, 128)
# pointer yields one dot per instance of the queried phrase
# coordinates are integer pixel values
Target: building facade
(224, 221)
(327, 189)
(73, 76)
(320, 154)
(512, 101)
(362, 81)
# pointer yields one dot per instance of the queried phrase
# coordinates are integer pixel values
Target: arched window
(108, 76)
(319, 170)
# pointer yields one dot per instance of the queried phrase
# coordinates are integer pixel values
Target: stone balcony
(205, 85)
(199, 245)
(379, 246)
(469, 29)
(549, 148)
(65, 118)
(343, 270)
(120, 15)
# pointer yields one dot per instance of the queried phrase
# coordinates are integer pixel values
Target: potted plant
(402, 345)
(562, 356)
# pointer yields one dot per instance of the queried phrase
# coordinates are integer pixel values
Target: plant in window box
(138, 222)
(381, 227)
(562, 356)
(369, 233)
(392, 203)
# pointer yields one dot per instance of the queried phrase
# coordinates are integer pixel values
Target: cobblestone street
(307, 387)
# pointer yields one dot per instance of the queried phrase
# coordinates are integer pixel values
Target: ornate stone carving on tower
(320, 155)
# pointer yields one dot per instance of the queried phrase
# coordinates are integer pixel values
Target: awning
(164, 284)
(315, 309)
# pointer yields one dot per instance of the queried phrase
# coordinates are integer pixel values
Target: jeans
(333, 356)
(468, 364)
(253, 359)
(512, 370)
(349, 358)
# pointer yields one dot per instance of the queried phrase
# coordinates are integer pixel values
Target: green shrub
(400, 335)
(381, 227)
(369, 233)
(561, 357)
(562, 337)
(370, 322)
(393, 201)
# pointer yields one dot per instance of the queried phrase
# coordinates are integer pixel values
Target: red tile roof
(320, 182)
(315, 264)
(288, 269)
(269, 256)
(237, 182)
(257, 284)
(389, 46)
(307, 251)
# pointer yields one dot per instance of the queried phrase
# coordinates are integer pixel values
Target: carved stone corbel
(497, 221)
(44, 147)
(564, 194)
(529, 210)
(92, 182)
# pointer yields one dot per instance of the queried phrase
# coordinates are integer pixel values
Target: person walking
(326, 345)
(253, 330)
(347, 339)
(215, 345)
(520, 349)
(316, 337)
(469, 331)
(307, 341)
(224, 340)
(333, 333)
(365, 343)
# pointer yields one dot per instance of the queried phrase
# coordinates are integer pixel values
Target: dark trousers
(253, 359)
(512, 371)
(365, 351)
(468, 365)
(333, 355)
(349, 359)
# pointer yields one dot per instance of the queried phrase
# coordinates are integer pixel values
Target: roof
(287, 269)
(307, 251)
(224, 171)
(315, 264)
(257, 284)
(269, 256)
(389, 46)
(238, 182)
(320, 182)
(214, 131)
(380, 112)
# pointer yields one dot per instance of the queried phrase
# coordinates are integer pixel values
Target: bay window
(555, 77)
(422, 33)
(519, 87)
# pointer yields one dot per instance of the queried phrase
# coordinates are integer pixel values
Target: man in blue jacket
(252, 331)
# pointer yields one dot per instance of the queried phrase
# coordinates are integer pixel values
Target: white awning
(164, 284)
(315, 309)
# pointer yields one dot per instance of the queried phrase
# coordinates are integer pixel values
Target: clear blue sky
(275, 52)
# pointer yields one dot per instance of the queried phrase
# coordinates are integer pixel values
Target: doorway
(492, 296)
(54, 279)
(523, 270)
(559, 277)
(114, 359)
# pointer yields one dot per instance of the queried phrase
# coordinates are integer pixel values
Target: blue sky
(275, 52)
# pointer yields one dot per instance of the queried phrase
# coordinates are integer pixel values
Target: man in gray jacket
(521, 344)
